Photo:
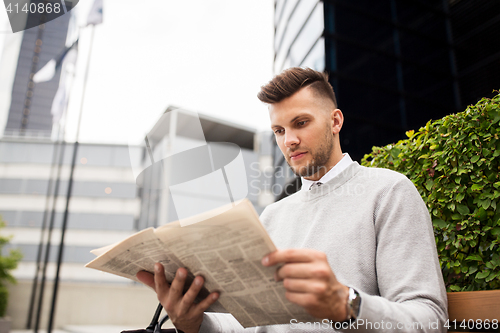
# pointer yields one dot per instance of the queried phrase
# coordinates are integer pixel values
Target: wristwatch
(353, 304)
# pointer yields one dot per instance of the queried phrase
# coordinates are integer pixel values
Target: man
(355, 243)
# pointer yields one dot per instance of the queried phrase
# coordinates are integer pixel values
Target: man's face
(302, 124)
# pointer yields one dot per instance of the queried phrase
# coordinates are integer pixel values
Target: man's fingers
(161, 284)
(305, 286)
(295, 271)
(291, 255)
(177, 285)
(147, 278)
(189, 297)
(302, 299)
(205, 304)
(317, 270)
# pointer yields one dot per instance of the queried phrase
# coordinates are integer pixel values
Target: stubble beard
(319, 158)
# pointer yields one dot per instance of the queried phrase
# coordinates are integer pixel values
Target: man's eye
(302, 123)
(278, 131)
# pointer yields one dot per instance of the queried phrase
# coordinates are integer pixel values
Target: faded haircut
(292, 80)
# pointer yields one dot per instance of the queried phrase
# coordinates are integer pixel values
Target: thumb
(146, 278)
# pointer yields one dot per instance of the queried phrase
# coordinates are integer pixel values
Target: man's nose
(291, 139)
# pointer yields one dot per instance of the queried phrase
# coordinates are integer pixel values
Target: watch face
(354, 303)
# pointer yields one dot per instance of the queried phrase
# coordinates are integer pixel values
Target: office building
(111, 201)
(394, 64)
(25, 106)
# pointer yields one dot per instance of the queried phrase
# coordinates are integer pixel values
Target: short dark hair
(292, 80)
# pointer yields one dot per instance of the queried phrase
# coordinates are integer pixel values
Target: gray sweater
(377, 234)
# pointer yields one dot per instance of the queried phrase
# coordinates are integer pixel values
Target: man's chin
(302, 168)
(303, 171)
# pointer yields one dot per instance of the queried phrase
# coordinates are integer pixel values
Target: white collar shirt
(337, 168)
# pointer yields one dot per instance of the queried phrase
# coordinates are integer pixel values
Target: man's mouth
(297, 155)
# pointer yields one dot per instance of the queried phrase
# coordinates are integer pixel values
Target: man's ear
(337, 121)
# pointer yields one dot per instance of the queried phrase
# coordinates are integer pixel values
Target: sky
(208, 56)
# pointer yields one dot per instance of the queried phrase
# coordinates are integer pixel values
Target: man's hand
(309, 282)
(184, 313)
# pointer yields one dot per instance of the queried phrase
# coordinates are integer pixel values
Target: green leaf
(472, 269)
(495, 231)
(395, 152)
(475, 158)
(428, 184)
(486, 203)
(440, 223)
(482, 214)
(491, 277)
(463, 209)
(460, 196)
(496, 259)
(477, 187)
(475, 257)
(482, 275)
(455, 288)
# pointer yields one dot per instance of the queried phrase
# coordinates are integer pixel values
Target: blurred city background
(91, 99)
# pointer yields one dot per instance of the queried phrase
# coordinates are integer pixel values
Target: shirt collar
(337, 168)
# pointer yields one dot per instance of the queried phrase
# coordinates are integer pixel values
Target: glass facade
(391, 66)
(475, 33)
(298, 34)
(29, 112)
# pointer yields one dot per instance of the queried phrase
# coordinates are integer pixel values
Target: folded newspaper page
(225, 246)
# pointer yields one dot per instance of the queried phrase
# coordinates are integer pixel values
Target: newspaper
(225, 246)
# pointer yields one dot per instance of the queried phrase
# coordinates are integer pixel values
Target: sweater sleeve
(412, 294)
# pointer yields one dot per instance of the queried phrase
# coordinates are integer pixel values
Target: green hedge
(7, 264)
(454, 163)
(4, 296)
